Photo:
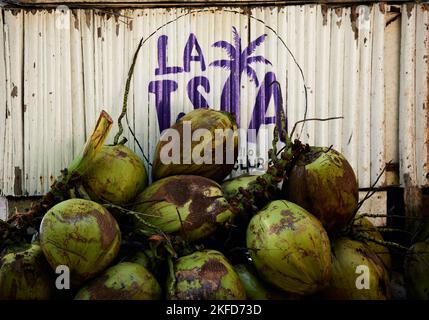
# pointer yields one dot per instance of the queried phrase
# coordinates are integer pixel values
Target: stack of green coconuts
(191, 234)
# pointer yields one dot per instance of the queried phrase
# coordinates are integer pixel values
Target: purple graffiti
(162, 58)
(162, 90)
(240, 61)
(192, 44)
(197, 99)
(265, 93)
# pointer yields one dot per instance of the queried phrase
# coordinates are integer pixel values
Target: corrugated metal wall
(366, 63)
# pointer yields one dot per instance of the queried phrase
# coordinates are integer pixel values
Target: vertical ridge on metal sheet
(77, 83)
(139, 87)
(377, 121)
(392, 48)
(350, 112)
(87, 20)
(407, 123)
(3, 105)
(336, 75)
(14, 47)
(322, 74)
(310, 37)
(422, 95)
(31, 106)
(365, 22)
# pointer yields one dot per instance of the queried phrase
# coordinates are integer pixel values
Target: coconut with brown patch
(82, 235)
(290, 248)
(192, 206)
(204, 275)
(25, 274)
(357, 273)
(124, 281)
(363, 229)
(116, 176)
(212, 136)
(323, 183)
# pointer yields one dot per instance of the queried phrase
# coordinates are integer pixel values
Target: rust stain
(76, 19)
(410, 8)
(325, 14)
(130, 25)
(339, 12)
(354, 15)
(17, 186)
(88, 18)
(14, 93)
(382, 7)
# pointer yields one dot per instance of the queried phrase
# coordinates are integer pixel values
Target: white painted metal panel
(13, 147)
(3, 103)
(74, 64)
(422, 95)
(413, 104)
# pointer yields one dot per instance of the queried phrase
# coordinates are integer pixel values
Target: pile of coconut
(291, 233)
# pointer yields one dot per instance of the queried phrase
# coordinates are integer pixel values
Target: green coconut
(82, 235)
(204, 275)
(124, 281)
(231, 187)
(117, 175)
(255, 288)
(357, 273)
(190, 205)
(204, 142)
(290, 248)
(364, 227)
(323, 182)
(25, 274)
(416, 271)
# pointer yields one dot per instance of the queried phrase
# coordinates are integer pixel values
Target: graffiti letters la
(241, 60)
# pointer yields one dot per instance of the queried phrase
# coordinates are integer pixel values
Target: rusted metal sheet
(329, 61)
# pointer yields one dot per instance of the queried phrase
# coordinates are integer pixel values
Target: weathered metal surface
(4, 208)
(68, 66)
(413, 101)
